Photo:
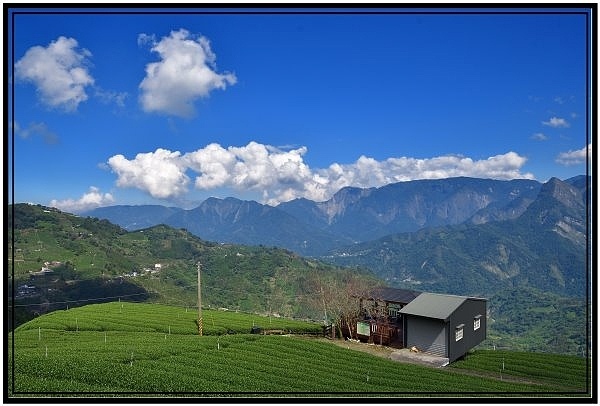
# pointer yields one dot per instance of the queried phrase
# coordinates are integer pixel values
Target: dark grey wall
(465, 314)
(427, 335)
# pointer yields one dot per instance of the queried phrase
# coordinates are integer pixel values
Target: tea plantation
(132, 349)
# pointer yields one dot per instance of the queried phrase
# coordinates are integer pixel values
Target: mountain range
(352, 215)
(544, 247)
(457, 235)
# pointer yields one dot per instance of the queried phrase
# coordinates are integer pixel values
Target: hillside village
(46, 275)
(153, 271)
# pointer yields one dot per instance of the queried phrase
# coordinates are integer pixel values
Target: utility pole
(199, 302)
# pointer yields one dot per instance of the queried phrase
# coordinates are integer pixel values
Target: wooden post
(199, 302)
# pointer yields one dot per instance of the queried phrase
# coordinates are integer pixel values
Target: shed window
(477, 322)
(458, 332)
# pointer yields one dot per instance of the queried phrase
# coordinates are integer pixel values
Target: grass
(562, 372)
(126, 349)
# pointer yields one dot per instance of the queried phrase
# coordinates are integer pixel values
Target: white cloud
(144, 39)
(539, 137)
(110, 96)
(185, 73)
(90, 200)
(58, 71)
(281, 175)
(556, 122)
(36, 129)
(574, 157)
(255, 167)
(367, 172)
(160, 173)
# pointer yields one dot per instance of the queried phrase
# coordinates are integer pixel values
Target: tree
(340, 300)
(378, 311)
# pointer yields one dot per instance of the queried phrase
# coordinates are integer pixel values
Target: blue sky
(168, 108)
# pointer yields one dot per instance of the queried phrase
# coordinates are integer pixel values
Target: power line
(79, 300)
(237, 289)
(163, 288)
(297, 296)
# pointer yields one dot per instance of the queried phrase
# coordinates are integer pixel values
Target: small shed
(444, 325)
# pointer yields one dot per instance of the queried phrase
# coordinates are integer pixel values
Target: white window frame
(477, 322)
(459, 332)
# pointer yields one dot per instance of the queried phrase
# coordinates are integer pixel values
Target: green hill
(93, 261)
(132, 349)
(61, 260)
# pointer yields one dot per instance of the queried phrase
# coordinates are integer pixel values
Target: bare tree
(340, 300)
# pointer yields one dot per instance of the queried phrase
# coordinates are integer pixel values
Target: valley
(522, 246)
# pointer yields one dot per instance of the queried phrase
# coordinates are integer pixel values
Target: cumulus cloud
(574, 157)
(90, 200)
(59, 72)
(282, 175)
(160, 173)
(367, 172)
(186, 72)
(556, 122)
(256, 167)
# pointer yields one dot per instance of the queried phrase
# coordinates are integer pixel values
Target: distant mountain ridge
(251, 223)
(366, 214)
(133, 218)
(352, 215)
(544, 247)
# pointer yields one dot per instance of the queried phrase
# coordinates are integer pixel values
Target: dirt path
(377, 350)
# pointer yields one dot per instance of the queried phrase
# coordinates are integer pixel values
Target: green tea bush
(125, 348)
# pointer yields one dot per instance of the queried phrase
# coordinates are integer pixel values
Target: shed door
(427, 335)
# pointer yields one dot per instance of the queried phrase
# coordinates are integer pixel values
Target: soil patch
(403, 355)
(406, 355)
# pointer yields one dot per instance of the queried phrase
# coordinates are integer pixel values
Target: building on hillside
(444, 325)
(381, 321)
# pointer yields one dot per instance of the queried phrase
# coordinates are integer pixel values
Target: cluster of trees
(339, 300)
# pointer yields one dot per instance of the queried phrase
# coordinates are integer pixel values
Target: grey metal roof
(434, 305)
(393, 295)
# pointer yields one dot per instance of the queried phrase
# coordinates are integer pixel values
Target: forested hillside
(544, 248)
(63, 260)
